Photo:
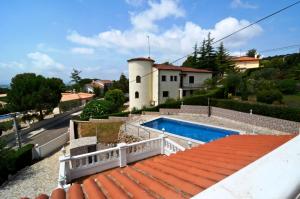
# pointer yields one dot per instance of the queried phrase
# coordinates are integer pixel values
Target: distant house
(102, 84)
(243, 62)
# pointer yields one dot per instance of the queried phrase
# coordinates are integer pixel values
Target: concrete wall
(144, 70)
(51, 146)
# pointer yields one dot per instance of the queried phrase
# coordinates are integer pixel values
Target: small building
(243, 62)
(152, 84)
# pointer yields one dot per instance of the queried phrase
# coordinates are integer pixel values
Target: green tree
(115, 96)
(232, 83)
(223, 61)
(251, 53)
(34, 92)
(97, 108)
(269, 96)
(122, 84)
(75, 79)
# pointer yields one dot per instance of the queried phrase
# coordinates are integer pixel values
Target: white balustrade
(72, 167)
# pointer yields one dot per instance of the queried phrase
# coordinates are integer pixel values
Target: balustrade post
(122, 154)
(162, 144)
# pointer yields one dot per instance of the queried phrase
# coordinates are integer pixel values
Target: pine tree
(223, 61)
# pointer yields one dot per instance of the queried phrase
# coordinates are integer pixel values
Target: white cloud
(86, 51)
(145, 20)
(43, 61)
(170, 43)
(242, 4)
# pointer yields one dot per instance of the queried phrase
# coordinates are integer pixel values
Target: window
(175, 78)
(171, 78)
(191, 79)
(137, 95)
(165, 93)
(184, 93)
(192, 92)
(138, 79)
(163, 78)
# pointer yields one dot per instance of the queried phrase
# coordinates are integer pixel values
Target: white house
(243, 62)
(151, 84)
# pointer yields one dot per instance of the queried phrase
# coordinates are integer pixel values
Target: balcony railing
(72, 167)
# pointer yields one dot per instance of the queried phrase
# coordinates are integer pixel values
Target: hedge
(281, 112)
(69, 105)
(7, 125)
(14, 160)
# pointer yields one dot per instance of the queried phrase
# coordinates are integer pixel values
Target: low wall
(168, 111)
(48, 148)
(253, 119)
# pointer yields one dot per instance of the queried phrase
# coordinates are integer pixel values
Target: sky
(97, 37)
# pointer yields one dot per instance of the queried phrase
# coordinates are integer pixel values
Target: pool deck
(244, 128)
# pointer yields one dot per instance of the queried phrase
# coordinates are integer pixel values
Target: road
(46, 134)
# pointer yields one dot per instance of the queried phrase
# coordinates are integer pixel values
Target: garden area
(106, 133)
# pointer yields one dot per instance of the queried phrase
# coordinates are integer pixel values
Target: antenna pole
(148, 45)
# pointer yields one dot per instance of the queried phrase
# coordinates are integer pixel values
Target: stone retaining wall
(253, 119)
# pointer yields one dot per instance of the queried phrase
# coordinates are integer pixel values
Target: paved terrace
(181, 175)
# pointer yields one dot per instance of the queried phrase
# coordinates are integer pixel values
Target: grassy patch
(292, 100)
(105, 132)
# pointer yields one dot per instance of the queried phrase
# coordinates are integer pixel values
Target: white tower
(140, 82)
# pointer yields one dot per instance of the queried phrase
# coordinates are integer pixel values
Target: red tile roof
(244, 59)
(140, 59)
(180, 68)
(75, 96)
(181, 175)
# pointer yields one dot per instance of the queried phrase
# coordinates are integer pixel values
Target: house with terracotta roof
(101, 84)
(151, 84)
(244, 62)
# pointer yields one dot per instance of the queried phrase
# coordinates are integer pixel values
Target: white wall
(199, 79)
(155, 88)
(247, 65)
(171, 86)
(143, 69)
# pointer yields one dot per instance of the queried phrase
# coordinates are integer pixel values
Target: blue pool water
(195, 131)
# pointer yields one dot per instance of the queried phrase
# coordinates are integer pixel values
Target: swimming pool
(194, 131)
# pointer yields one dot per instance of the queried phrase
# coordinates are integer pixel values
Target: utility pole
(18, 137)
(148, 46)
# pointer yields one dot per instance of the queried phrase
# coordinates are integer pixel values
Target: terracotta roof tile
(181, 175)
(244, 59)
(180, 68)
(75, 96)
(140, 59)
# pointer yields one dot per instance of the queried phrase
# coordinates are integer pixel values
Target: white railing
(172, 147)
(136, 130)
(72, 167)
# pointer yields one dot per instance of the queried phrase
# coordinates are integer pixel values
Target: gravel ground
(40, 177)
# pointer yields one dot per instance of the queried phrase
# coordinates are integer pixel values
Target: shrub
(6, 125)
(287, 86)
(269, 96)
(13, 160)
(97, 108)
(116, 96)
(4, 110)
(69, 105)
(281, 112)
